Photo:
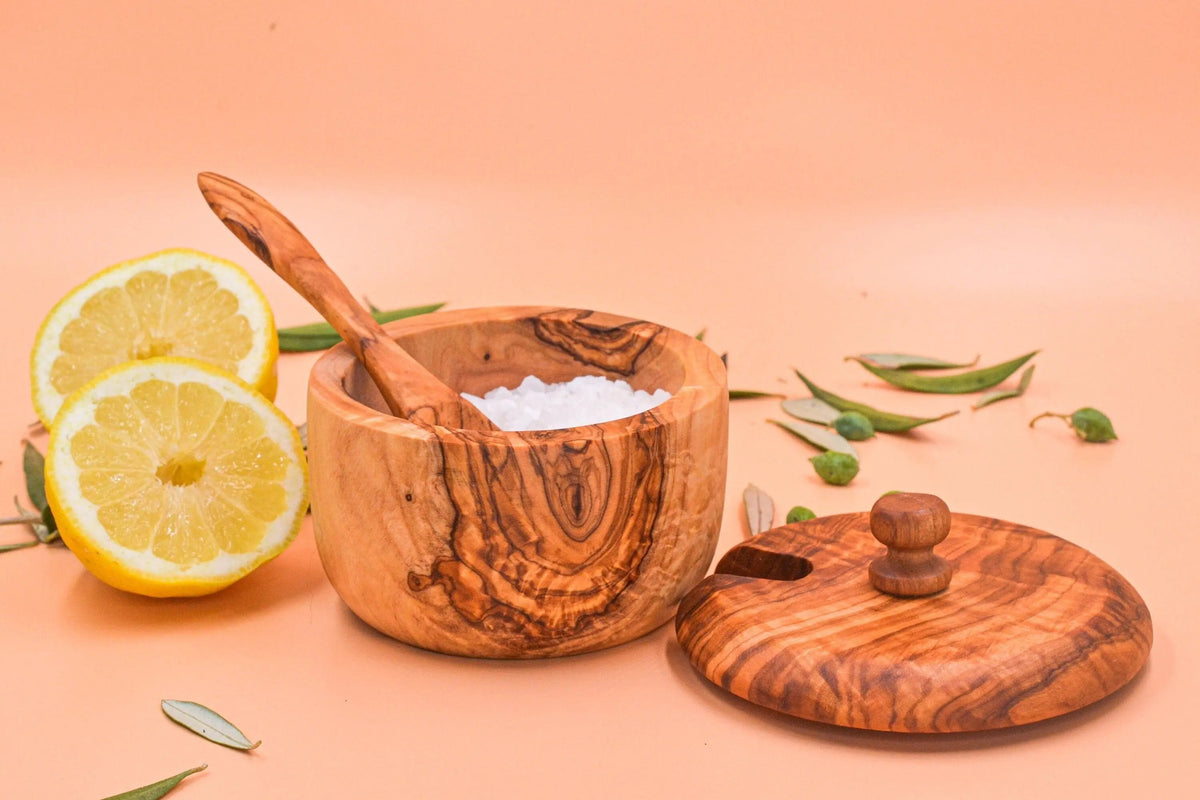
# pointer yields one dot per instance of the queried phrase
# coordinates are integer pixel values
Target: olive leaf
(207, 723)
(40, 521)
(154, 791)
(906, 361)
(750, 394)
(34, 464)
(962, 383)
(811, 409)
(996, 395)
(821, 438)
(321, 335)
(883, 421)
(760, 509)
(50, 527)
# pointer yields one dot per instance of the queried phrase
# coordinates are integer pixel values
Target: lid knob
(910, 525)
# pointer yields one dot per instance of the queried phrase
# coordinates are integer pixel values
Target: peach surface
(805, 180)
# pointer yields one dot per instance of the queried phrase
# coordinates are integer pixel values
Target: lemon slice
(169, 477)
(172, 303)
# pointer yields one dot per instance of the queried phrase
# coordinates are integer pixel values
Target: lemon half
(169, 477)
(172, 303)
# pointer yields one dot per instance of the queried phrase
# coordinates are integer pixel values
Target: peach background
(807, 180)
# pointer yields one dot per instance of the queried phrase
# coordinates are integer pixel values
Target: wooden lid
(1030, 627)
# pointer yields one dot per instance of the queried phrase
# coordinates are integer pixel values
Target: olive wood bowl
(520, 544)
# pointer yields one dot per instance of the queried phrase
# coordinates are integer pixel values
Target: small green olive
(854, 426)
(835, 468)
(1092, 425)
(800, 514)
(1089, 424)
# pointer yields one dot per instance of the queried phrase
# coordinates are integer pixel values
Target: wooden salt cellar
(520, 544)
(812, 620)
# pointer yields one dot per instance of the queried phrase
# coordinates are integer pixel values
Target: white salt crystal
(587, 400)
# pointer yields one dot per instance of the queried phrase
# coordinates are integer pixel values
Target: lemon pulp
(174, 303)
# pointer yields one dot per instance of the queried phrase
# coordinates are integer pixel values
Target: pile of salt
(587, 400)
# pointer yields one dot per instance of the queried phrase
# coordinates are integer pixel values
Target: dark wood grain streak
(521, 544)
(1031, 627)
(610, 348)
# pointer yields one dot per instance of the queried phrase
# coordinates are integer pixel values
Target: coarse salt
(587, 400)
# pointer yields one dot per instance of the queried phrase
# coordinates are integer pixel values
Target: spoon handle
(407, 387)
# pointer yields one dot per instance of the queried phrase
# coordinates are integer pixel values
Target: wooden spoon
(409, 389)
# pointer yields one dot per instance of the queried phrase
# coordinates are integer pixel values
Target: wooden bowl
(520, 545)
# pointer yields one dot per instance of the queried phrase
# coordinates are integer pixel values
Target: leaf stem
(1045, 414)
(17, 520)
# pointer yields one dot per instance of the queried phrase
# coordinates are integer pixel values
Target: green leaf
(963, 383)
(821, 438)
(811, 409)
(906, 361)
(883, 421)
(5, 548)
(321, 335)
(996, 395)
(154, 791)
(760, 509)
(50, 524)
(207, 723)
(35, 475)
(750, 394)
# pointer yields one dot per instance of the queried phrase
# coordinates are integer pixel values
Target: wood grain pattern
(410, 390)
(520, 544)
(1031, 627)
